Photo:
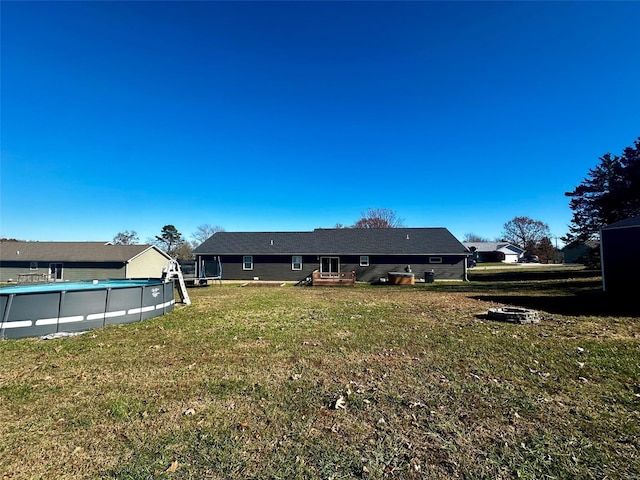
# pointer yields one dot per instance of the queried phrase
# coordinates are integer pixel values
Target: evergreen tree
(169, 239)
(611, 192)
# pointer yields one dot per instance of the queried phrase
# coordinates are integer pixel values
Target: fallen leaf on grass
(189, 411)
(173, 467)
(340, 403)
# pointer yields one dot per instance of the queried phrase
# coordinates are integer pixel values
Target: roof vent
(271, 242)
(407, 236)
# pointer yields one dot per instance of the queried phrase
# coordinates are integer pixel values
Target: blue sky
(296, 115)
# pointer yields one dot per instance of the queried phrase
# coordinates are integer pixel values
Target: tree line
(533, 236)
(609, 193)
(171, 240)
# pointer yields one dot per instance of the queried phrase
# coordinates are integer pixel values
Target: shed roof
(336, 241)
(72, 251)
(626, 223)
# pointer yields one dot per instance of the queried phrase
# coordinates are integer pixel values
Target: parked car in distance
(530, 259)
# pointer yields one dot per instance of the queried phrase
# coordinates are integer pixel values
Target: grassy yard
(336, 383)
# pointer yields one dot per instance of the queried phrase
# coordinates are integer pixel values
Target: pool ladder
(173, 270)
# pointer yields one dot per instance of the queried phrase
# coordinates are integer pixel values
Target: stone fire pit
(514, 315)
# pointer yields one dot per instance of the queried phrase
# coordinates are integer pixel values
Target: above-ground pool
(44, 309)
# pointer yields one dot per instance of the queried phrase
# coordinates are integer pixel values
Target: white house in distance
(494, 252)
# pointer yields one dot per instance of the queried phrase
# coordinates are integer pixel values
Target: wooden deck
(33, 278)
(333, 279)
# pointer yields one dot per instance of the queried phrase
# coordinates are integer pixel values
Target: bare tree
(472, 237)
(126, 238)
(203, 232)
(183, 251)
(525, 232)
(379, 218)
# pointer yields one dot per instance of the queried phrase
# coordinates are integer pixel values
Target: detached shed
(65, 261)
(620, 255)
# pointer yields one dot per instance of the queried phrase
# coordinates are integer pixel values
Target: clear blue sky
(295, 115)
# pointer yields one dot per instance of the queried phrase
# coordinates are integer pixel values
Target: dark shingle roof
(71, 251)
(628, 222)
(334, 241)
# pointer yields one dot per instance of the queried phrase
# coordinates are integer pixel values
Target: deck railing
(33, 278)
(333, 278)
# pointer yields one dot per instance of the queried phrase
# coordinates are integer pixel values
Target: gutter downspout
(466, 266)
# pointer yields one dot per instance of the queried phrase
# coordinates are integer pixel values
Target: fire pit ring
(514, 315)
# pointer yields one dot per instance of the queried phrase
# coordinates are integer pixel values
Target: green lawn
(319, 383)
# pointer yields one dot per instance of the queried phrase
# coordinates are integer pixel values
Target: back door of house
(55, 271)
(330, 265)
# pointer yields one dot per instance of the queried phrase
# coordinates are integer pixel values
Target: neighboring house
(494, 252)
(63, 261)
(369, 252)
(580, 252)
(620, 255)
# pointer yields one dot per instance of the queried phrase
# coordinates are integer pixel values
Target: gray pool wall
(78, 307)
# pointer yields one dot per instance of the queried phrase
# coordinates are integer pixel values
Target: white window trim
(293, 263)
(435, 259)
(244, 263)
(364, 263)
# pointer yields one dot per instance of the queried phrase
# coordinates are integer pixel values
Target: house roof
(485, 247)
(626, 223)
(72, 251)
(336, 241)
(579, 244)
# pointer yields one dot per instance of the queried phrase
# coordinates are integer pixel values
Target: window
(296, 262)
(364, 260)
(33, 266)
(435, 259)
(247, 262)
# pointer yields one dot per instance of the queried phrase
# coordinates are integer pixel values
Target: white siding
(147, 265)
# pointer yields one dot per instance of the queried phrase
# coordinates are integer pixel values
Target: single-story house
(580, 252)
(64, 261)
(369, 252)
(494, 252)
(620, 255)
